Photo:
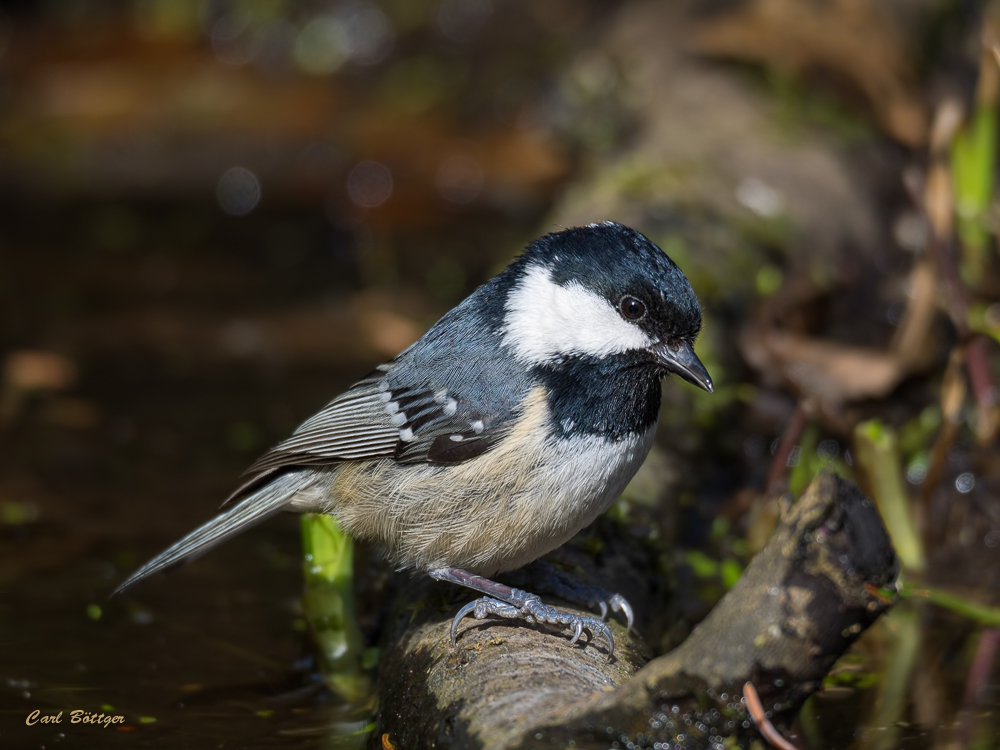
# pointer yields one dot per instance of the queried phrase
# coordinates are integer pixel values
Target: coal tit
(509, 426)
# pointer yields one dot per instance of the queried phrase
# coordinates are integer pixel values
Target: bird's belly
(496, 512)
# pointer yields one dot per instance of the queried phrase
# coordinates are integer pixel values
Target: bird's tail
(261, 504)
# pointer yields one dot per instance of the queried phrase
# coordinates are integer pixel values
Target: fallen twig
(763, 723)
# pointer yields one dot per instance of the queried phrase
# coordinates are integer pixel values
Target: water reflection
(369, 184)
(459, 179)
(238, 191)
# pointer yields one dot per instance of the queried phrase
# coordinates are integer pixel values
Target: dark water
(177, 390)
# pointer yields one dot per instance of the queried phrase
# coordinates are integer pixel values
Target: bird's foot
(529, 607)
(550, 580)
(504, 601)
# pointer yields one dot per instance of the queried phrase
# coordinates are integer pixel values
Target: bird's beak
(682, 360)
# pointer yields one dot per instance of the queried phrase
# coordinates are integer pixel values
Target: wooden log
(801, 602)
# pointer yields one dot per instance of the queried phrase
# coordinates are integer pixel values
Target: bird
(508, 427)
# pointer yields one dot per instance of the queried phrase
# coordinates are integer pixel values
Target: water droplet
(965, 482)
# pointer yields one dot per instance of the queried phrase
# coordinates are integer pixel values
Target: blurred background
(215, 215)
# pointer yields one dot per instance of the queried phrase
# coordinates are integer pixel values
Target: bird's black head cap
(616, 261)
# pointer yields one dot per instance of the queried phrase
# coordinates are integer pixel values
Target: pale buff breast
(495, 512)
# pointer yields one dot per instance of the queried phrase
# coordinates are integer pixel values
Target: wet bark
(801, 602)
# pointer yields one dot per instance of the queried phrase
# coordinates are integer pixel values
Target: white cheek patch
(545, 320)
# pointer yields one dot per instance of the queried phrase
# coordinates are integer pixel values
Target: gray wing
(412, 423)
(442, 427)
(354, 425)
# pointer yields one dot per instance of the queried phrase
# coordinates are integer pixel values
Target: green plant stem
(978, 612)
(878, 455)
(890, 700)
(328, 604)
(973, 163)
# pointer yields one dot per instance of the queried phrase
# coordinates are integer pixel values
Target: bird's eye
(631, 308)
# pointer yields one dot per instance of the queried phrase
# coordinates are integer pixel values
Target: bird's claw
(470, 607)
(620, 604)
(617, 602)
(595, 597)
(530, 608)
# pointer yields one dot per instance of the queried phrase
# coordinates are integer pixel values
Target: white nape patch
(545, 320)
(477, 426)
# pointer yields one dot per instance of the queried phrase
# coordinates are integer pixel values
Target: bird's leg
(516, 604)
(545, 577)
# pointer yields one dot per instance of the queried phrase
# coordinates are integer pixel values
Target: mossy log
(801, 602)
